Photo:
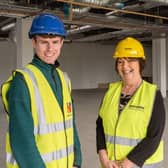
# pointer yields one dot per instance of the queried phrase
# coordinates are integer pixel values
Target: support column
(23, 43)
(159, 63)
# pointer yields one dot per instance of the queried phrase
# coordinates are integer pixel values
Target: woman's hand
(111, 164)
(126, 163)
(106, 163)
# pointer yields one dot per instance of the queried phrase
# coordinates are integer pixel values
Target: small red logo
(69, 107)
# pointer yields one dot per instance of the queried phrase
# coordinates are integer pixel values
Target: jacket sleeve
(154, 133)
(77, 146)
(21, 128)
(100, 136)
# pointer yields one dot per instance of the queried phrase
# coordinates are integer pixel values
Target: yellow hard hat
(129, 47)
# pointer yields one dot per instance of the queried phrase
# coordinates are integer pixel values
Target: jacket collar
(37, 61)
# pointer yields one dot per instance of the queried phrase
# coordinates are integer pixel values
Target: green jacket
(21, 123)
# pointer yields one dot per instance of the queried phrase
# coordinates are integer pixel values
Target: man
(42, 131)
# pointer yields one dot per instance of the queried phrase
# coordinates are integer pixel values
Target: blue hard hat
(47, 24)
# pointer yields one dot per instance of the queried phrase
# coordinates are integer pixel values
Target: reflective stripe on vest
(154, 165)
(131, 142)
(39, 104)
(51, 128)
(122, 140)
(46, 157)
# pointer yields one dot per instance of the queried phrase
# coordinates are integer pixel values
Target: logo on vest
(136, 107)
(69, 107)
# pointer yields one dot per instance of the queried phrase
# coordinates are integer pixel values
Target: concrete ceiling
(103, 21)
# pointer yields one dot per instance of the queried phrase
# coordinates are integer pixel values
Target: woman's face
(128, 69)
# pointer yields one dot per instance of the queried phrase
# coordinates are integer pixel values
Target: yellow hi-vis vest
(53, 128)
(123, 132)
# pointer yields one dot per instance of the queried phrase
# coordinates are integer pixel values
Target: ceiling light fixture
(85, 27)
(8, 26)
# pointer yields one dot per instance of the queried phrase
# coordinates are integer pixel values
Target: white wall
(7, 59)
(24, 46)
(87, 64)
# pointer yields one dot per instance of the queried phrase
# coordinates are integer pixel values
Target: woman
(132, 116)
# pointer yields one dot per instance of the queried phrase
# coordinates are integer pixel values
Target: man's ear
(33, 42)
(62, 41)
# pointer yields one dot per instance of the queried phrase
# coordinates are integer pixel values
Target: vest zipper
(55, 83)
(115, 132)
(115, 139)
(66, 141)
(62, 109)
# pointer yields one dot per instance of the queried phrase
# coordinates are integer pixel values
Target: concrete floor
(87, 104)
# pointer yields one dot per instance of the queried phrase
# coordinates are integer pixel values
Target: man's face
(47, 47)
